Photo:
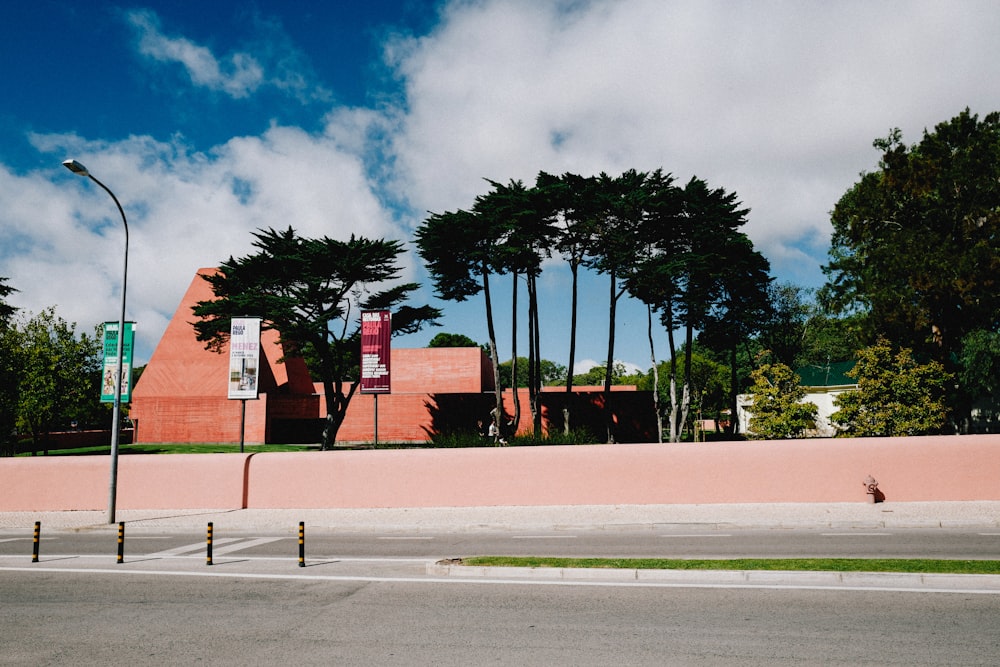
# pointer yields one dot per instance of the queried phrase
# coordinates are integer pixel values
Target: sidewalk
(926, 515)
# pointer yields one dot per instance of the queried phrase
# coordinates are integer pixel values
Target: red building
(182, 395)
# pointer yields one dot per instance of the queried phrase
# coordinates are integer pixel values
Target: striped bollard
(302, 543)
(121, 542)
(208, 557)
(34, 545)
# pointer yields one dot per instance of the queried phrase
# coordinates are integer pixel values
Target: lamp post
(78, 168)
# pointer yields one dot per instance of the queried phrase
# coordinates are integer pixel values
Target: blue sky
(211, 119)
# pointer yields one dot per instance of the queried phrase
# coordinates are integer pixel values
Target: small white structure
(823, 384)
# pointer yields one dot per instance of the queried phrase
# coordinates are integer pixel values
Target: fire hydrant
(871, 486)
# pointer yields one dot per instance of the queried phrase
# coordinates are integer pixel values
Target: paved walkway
(977, 514)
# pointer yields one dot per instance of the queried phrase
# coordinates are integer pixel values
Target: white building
(823, 384)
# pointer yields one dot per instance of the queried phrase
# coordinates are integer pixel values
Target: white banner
(244, 357)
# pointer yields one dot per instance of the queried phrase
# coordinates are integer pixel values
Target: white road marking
(699, 535)
(856, 534)
(543, 537)
(197, 546)
(405, 538)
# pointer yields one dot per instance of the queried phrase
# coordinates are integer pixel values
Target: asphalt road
(98, 617)
(371, 597)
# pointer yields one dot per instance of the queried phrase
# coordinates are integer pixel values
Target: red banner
(376, 331)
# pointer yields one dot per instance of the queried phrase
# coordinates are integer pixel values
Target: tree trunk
(535, 360)
(686, 391)
(497, 389)
(574, 269)
(609, 417)
(336, 409)
(656, 375)
(674, 431)
(516, 421)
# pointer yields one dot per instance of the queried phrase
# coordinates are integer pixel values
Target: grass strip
(911, 565)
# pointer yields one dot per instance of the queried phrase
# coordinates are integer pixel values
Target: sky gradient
(211, 120)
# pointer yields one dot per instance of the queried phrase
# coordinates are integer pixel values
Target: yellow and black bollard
(34, 545)
(121, 541)
(302, 543)
(208, 559)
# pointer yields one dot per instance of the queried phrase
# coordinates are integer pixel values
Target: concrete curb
(895, 581)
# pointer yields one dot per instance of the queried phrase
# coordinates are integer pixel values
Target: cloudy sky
(212, 119)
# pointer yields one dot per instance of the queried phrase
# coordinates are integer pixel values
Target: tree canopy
(896, 395)
(916, 244)
(778, 409)
(677, 249)
(312, 292)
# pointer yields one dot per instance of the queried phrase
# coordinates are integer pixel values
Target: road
(368, 599)
(105, 618)
(685, 542)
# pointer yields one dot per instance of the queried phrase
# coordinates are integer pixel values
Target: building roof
(829, 375)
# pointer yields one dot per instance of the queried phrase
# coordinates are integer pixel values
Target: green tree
(896, 395)
(916, 244)
(58, 375)
(566, 199)
(452, 340)
(620, 203)
(312, 291)
(9, 372)
(527, 236)
(552, 374)
(777, 410)
(6, 310)
(458, 248)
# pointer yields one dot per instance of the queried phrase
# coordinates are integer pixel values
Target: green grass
(914, 565)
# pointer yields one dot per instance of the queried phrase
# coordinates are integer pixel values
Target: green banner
(111, 362)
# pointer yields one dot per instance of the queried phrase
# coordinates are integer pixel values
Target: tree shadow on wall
(458, 415)
(632, 414)
(468, 415)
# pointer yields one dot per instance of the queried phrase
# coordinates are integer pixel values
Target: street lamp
(78, 168)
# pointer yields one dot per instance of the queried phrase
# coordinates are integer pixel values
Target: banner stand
(244, 362)
(376, 332)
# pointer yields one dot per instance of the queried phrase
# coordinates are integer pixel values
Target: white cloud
(63, 241)
(778, 102)
(271, 60)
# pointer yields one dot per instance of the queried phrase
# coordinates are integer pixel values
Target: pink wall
(908, 469)
(180, 481)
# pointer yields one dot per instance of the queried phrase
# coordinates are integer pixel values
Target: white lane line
(246, 544)
(543, 537)
(698, 535)
(405, 538)
(197, 546)
(856, 534)
(990, 534)
(505, 582)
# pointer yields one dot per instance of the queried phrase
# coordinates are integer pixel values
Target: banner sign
(376, 331)
(244, 357)
(111, 362)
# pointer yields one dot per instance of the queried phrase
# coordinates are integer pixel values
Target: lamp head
(76, 167)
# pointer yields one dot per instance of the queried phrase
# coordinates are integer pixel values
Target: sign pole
(243, 421)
